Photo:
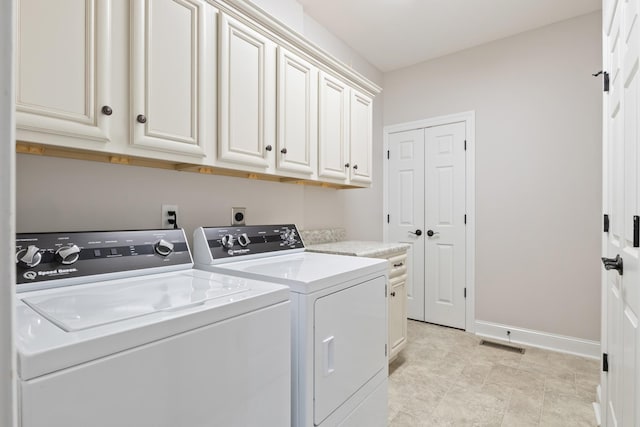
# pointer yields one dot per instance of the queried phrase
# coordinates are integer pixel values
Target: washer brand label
(30, 275)
(237, 251)
(56, 272)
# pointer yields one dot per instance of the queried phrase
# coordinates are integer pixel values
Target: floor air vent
(507, 347)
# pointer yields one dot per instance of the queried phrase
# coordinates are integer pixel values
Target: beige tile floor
(445, 378)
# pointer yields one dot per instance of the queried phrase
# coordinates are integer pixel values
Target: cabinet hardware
(393, 294)
(613, 263)
(605, 227)
(398, 264)
(346, 165)
(268, 148)
(636, 231)
(283, 151)
(106, 110)
(141, 118)
(355, 166)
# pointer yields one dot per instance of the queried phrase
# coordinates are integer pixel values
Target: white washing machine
(118, 329)
(338, 323)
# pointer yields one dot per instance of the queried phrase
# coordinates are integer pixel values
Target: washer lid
(78, 307)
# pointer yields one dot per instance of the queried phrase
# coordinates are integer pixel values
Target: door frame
(469, 118)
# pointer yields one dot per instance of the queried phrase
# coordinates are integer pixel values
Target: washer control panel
(236, 241)
(42, 257)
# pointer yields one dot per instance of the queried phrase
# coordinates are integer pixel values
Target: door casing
(468, 118)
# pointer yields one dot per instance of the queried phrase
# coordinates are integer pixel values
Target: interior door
(406, 210)
(445, 223)
(621, 204)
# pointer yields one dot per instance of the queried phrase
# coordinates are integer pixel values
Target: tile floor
(445, 378)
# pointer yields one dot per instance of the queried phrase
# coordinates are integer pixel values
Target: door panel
(445, 209)
(333, 131)
(361, 141)
(406, 210)
(346, 358)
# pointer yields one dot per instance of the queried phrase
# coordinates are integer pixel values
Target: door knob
(430, 233)
(418, 232)
(613, 263)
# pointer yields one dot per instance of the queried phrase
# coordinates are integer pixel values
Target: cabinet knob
(398, 265)
(355, 166)
(268, 148)
(141, 118)
(283, 151)
(107, 111)
(346, 165)
(393, 294)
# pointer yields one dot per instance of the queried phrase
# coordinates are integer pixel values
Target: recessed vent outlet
(500, 346)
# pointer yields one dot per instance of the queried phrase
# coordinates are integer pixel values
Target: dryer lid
(85, 307)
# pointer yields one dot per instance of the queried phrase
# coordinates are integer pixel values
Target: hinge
(388, 155)
(385, 350)
(605, 81)
(465, 218)
(388, 218)
(465, 292)
(636, 231)
(605, 362)
(606, 223)
(385, 291)
(465, 145)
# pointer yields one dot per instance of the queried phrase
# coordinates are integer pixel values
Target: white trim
(545, 340)
(469, 117)
(8, 411)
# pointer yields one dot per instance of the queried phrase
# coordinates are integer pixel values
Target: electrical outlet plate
(238, 216)
(165, 215)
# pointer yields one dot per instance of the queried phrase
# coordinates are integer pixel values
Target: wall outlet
(166, 216)
(238, 216)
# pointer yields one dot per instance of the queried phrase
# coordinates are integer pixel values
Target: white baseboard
(561, 343)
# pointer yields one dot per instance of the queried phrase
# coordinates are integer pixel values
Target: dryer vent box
(238, 216)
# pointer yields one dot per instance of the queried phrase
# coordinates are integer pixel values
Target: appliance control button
(97, 253)
(68, 254)
(244, 240)
(163, 247)
(227, 241)
(29, 257)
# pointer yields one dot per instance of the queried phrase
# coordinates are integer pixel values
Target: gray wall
(538, 162)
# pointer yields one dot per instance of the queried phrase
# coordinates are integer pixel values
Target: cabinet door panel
(168, 63)
(63, 68)
(333, 128)
(361, 143)
(297, 114)
(397, 315)
(247, 96)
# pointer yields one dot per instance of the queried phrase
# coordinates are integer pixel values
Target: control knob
(68, 254)
(29, 257)
(289, 237)
(162, 247)
(244, 240)
(227, 241)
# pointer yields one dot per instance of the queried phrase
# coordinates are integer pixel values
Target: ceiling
(393, 34)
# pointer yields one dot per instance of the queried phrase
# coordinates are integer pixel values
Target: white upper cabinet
(297, 109)
(63, 72)
(247, 99)
(172, 54)
(333, 130)
(361, 138)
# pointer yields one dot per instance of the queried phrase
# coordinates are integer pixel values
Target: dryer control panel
(241, 241)
(48, 257)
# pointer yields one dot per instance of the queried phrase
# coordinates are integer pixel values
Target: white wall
(538, 162)
(115, 197)
(7, 216)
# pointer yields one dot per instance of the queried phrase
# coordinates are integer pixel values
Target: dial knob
(243, 240)
(163, 247)
(68, 254)
(29, 257)
(227, 241)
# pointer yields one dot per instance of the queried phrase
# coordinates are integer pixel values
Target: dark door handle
(393, 294)
(430, 233)
(418, 232)
(613, 263)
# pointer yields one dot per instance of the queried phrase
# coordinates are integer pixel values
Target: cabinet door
(333, 129)
(397, 315)
(168, 66)
(361, 142)
(247, 96)
(63, 74)
(297, 130)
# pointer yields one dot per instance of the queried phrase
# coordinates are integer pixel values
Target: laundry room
(473, 163)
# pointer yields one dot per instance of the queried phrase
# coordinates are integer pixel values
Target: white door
(333, 131)
(168, 68)
(406, 210)
(445, 225)
(361, 140)
(427, 210)
(622, 52)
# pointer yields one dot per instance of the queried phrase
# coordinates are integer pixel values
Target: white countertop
(359, 248)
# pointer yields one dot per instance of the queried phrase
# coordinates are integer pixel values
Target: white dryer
(338, 324)
(117, 329)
